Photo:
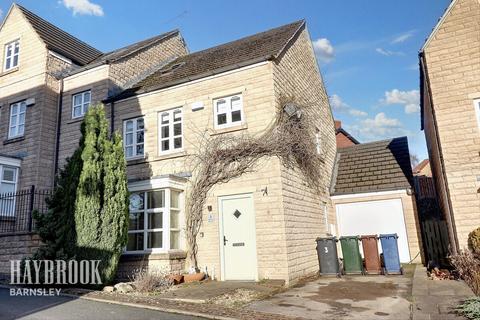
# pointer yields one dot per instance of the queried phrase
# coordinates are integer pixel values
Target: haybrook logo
(54, 272)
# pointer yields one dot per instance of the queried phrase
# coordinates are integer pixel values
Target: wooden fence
(436, 240)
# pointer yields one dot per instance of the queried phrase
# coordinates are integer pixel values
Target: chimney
(338, 124)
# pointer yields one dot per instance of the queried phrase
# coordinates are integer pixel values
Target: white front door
(237, 237)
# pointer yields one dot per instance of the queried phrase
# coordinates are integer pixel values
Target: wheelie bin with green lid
(391, 257)
(327, 256)
(352, 260)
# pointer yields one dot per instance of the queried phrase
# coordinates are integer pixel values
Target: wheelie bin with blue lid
(352, 260)
(327, 256)
(391, 257)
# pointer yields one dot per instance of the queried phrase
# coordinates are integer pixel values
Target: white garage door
(374, 217)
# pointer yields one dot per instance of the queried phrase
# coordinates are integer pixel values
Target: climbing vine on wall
(221, 158)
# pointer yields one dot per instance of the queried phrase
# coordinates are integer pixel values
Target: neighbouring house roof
(373, 167)
(60, 41)
(121, 53)
(419, 167)
(260, 47)
(340, 131)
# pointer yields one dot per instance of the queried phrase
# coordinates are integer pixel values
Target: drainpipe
(449, 216)
(112, 118)
(59, 121)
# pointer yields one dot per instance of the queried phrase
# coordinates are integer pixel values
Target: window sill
(146, 255)
(4, 73)
(230, 129)
(137, 160)
(75, 120)
(171, 155)
(13, 140)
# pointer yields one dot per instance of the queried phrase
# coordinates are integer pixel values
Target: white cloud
(409, 99)
(340, 106)
(403, 37)
(388, 53)
(83, 7)
(324, 50)
(377, 128)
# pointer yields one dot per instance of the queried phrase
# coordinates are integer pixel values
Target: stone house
(259, 226)
(450, 112)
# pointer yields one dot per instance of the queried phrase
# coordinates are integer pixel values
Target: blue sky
(367, 50)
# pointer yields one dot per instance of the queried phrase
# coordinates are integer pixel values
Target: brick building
(450, 110)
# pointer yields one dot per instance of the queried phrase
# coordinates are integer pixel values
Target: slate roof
(125, 51)
(260, 47)
(60, 41)
(372, 167)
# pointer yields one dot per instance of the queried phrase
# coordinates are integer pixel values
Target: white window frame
(171, 137)
(134, 143)
(7, 204)
(15, 121)
(476, 106)
(11, 45)
(166, 229)
(83, 105)
(228, 101)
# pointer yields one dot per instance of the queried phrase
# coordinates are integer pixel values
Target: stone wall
(15, 247)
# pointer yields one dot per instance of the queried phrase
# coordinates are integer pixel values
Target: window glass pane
(174, 199)
(165, 132)
(129, 126)
(140, 150)
(21, 120)
(135, 241)
(7, 188)
(13, 120)
(9, 50)
(85, 107)
(174, 219)
(155, 240)
(14, 109)
(177, 143)
(23, 106)
(7, 63)
(136, 221)
(8, 174)
(177, 129)
(17, 47)
(77, 111)
(165, 145)
(174, 240)
(221, 106)
(222, 119)
(155, 220)
(12, 132)
(236, 105)
(236, 116)
(128, 152)
(77, 99)
(156, 199)
(177, 115)
(140, 124)
(165, 118)
(15, 61)
(86, 97)
(140, 135)
(21, 129)
(129, 139)
(137, 201)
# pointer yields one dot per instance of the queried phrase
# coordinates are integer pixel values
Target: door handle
(224, 241)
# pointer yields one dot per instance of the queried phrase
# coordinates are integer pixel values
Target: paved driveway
(351, 297)
(63, 308)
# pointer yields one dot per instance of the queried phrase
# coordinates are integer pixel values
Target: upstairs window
(80, 103)
(17, 119)
(12, 51)
(134, 138)
(171, 130)
(228, 111)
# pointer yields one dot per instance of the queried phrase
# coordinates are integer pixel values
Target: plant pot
(176, 278)
(194, 277)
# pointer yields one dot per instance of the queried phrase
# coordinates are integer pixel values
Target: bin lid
(368, 236)
(388, 235)
(326, 238)
(349, 237)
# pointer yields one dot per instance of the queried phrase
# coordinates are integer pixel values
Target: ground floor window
(8, 186)
(155, 220)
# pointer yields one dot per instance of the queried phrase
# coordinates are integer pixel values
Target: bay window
(228, 111)
(155, 220)
(170, 126)
(134, 138)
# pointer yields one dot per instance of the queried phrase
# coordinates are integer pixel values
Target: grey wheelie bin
(327, 256)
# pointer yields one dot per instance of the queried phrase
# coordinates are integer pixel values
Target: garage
(374, 217)
(372, 194)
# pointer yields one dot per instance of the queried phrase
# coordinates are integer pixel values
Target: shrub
(150, 280)
(474, 241)
(468, 267)
(470, 308)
